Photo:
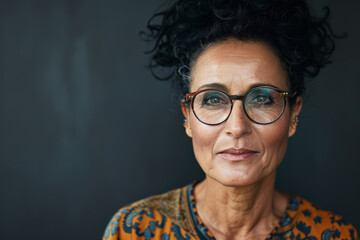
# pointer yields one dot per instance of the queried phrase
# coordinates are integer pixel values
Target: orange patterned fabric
(173, 216)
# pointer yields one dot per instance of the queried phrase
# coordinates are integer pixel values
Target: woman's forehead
(238, 65)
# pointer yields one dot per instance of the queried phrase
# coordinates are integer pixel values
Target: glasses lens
(211, 106)
(264, 105)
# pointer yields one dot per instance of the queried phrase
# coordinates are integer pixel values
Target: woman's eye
(214, 100)
(261, 101)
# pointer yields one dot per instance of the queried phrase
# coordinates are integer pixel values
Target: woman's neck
(239, 212)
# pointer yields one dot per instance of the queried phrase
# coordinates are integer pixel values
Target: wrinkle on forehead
(241, 63)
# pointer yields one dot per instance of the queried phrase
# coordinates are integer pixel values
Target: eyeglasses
(262, 104)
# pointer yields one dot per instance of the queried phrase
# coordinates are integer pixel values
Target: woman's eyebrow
(261, 85)
(214, 86)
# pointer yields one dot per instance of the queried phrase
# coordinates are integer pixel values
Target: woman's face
(239, 152)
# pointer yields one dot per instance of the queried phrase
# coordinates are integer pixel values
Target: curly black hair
(186, 28)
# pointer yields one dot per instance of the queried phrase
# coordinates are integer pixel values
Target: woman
(240, 66)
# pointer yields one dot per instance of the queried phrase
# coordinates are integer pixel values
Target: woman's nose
(238, 124)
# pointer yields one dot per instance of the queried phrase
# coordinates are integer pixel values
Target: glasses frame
(189, 97)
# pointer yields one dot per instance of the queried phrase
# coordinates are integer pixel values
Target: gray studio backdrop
(86, 129)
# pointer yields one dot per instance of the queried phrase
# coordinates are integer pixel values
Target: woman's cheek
(275, 138)
(203, 139)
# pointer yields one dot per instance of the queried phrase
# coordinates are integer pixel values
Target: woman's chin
(234, 178)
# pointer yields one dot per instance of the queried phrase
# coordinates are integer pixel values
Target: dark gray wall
(86, 129)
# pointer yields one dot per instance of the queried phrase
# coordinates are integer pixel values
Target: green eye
(214, 99)
(260, 98)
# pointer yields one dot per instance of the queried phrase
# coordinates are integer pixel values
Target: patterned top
(173, 215)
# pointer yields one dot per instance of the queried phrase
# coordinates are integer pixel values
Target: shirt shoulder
(164, 216)
(309, 221)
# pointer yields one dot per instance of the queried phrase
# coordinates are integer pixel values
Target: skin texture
(237, 199)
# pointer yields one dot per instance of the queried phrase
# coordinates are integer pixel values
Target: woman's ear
(185, 111)
(294, 118)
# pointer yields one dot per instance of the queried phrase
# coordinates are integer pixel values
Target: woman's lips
(235, 154)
